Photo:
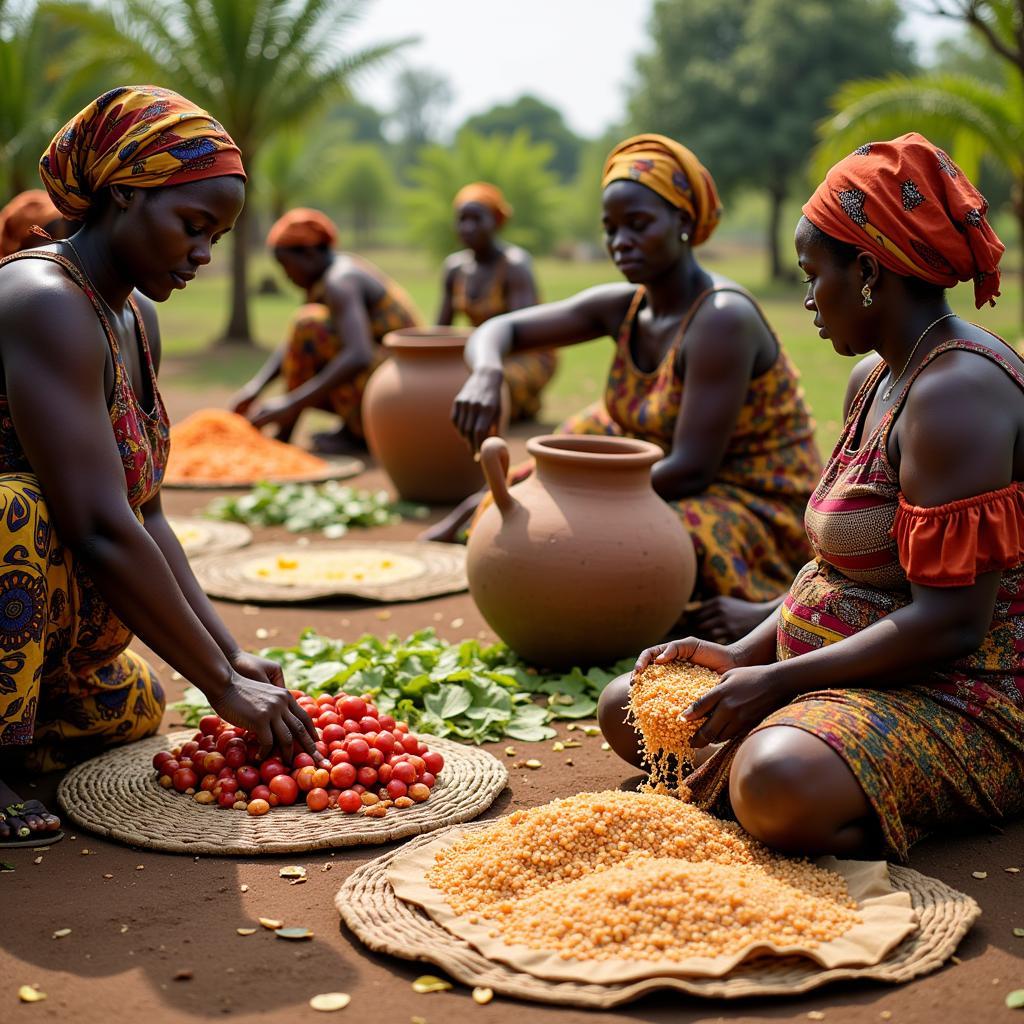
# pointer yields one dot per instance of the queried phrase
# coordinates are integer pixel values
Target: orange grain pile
(657, 698)
(217, 446)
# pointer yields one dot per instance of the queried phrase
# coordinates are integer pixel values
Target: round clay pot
(407, 414)
(581, 563)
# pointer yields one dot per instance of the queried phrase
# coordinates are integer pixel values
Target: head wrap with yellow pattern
(670, 169)
(137, 135)
(486, 194)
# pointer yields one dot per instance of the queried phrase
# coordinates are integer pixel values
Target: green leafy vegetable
(469, 690)
(331, 507)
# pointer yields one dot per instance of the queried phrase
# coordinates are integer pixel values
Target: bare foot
(340, 442)
(21, 819)
(725, 619)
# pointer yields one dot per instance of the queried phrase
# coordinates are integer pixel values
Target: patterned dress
(526, 373)
(313, 342)
(747, 526)
(948, 748)
(68, 686)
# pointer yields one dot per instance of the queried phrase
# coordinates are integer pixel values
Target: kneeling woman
(886, 699)
(87, 558)
(696, 369)
(334, 341)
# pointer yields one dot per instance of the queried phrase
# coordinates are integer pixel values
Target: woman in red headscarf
(490, 277)
(87, 558)
(28, 220)
(334, 341)
(885, 699)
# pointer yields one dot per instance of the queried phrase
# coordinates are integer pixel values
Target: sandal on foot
(35, 837)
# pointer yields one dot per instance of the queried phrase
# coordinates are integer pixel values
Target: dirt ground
(161, 914)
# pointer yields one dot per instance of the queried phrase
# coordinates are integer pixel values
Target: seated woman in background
(696, 369)
(490, 277)
(87, 557)
(25, 212)
(334, 340)
(885, 700)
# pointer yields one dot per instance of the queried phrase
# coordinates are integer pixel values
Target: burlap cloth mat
(211, 536)
(443, 572)
(116, 795)
(339, 467)
(370, 907)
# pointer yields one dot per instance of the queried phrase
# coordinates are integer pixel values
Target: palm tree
(259, 66)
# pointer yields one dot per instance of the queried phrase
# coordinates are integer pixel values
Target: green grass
(193, 318)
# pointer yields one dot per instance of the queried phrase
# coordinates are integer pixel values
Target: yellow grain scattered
(657, 698)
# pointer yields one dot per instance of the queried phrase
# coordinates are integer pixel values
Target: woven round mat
(339, 467)
(116, 795)
(214, 537)
(444, 572)
(369, 907)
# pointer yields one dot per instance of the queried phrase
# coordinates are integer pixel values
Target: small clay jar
(407, 415)
(581, 563)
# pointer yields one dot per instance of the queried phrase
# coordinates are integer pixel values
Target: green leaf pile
(331, 507)
(466, 690)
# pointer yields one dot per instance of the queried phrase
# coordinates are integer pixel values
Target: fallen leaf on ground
(293, 871)
(30, 994)
(270, 922)
(430, 983)
(979, 874)
(60, 933)
(482, 995)
(293, 933)
(245, 931)
(4, 866)
(327, 1001)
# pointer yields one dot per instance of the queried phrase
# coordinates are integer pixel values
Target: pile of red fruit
(375, 763)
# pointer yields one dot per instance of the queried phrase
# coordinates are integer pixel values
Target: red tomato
(325, 699)
(170, 767)
(385, 742)
(349, 801)
(410, 744)
(208, 743)
(367, 776)
(333, 732)
(384, 774)
(303, 760)
(368, 724)
(304, 777)
(235, 756)
(321, 748)
(358, 750)
(397, 789)
(417, 762)
(199, 762)
(209, 724)
(317, 799)
(321, 778)
(214, 762)
(224, 739)
(402, 727)
(160, 758)
(184, 778)
(229, 785)
(428, 780)
(285, 788)
(339, 756)
(343, 775)
(375, 758)
(419, 792)
(257, 807)
(226, 800)
(433, 761)
(271, 769)
(328, 717)
(208, 782)
(404, 772)
(247, 776)
(260, 793)
(226, 773)
(350, 726)
(357, 788)
(352, 707)
(188, 749)
(386, 722)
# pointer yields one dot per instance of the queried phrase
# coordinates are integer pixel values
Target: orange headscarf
(670, 169)
(906, 202)
(302, 227)
(138, 135)
(20, 215)
(486, 194)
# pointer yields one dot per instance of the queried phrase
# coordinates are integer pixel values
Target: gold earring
(866, 292)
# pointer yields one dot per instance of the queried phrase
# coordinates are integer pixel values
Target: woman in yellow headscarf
(87, 558)
(696, 369)
(490, 277)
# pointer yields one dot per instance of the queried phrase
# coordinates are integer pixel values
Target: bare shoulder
(729, 319)
(517, 256)
(457, 260)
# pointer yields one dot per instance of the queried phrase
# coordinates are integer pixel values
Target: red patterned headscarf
(674, 172)
(906, 202)
(486, 194)
(20, 215)
(300, 228)
(138, 135)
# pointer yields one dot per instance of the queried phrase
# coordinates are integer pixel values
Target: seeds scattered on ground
(262, 633)
(85, 853)
(108, 876)
(383, 616)
(183, 975)
(886, 1015)
(270, 922)
(1019, 933)
(1012, 871)
(979, 874)
(124, 928)
(457, 623)
(245, 931)
(569, 761)
(955, 960)
(30, 994)
(558, 747)
(430, 983)
(327, 866)
(533, 763)
(243, 888)
(294, 934)
(293, 871)
(606, 746)
(38, 860)
(328, 1001)
(60, 933)
(140, 867)
(510, 751)
(1015, 999)
(815, 1015)
(482, 995)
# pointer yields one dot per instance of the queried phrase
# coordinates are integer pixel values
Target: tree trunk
(238, 331)
(777, 199)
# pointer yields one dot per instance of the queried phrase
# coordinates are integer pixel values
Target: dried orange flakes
(657, 698)
(217, 446)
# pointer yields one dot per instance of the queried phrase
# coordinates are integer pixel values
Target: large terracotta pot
(407, 409)
(581, 563)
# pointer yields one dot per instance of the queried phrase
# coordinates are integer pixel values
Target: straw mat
(209, 536)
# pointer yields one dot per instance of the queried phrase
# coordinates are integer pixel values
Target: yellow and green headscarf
(138, 135)
(670, 169)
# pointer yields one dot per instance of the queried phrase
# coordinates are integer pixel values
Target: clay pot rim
(595, 451)
(418, 339)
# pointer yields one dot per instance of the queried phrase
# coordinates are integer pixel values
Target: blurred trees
(743, 82)
(422, 97)
(259, 66)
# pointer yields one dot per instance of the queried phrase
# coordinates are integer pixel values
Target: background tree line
(767, 92)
